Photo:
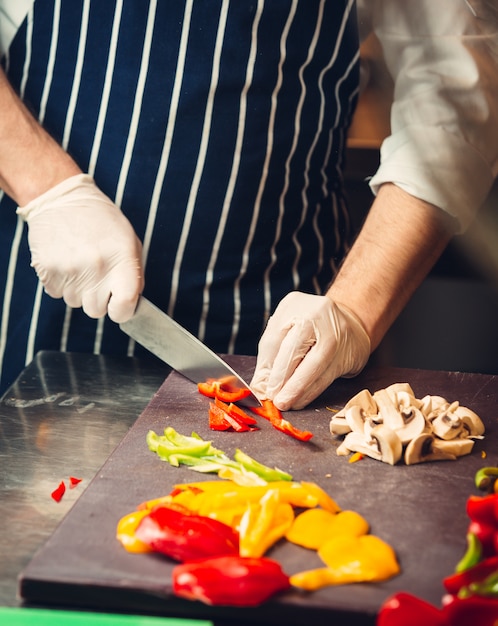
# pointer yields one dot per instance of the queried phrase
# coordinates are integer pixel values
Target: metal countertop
(62, 417)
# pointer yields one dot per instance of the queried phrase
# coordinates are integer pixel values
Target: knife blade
(176, 346)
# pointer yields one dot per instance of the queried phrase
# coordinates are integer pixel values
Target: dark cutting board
(419, 510)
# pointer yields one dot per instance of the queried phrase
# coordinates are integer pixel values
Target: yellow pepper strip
(313, 527)
(263, 524)
(125, 532)
(359, 559)
(323, 498)
(150, 504)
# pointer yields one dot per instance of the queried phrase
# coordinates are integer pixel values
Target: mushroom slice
(396, 388)
(359, 442)
(355, 418)
(339, 426)
(364, 400)
(426, 405)
(414, 424)
(448, 425)
(381, 444)
(471, 421)
(422, 449)
(457, 447)
(391, 417)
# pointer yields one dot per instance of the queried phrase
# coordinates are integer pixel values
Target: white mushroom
(414, 424)
(421, 450)
(456, 447)
(471, 421)
(355, 418)
(447, 424)
(388, 411)
(338, 425)
(381, 444)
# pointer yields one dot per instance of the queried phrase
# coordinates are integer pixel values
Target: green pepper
(485, 478)
(263, 471)
(472, 555)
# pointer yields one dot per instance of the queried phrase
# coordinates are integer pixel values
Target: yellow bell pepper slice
(322, 497)
(263, 524)
(313, 527)
(359, 559)
(125, 532)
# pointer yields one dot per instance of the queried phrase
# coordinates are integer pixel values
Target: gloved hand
(309, 342)
(84, 249)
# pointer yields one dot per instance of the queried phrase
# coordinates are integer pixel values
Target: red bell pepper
(230, 580)
(186, 537)
(471, 611)
(405, 609)
(483, 509)
(226, 391)
(236, 412)
(59, 491)
(461, 580)
(270, 412)
(218, 419)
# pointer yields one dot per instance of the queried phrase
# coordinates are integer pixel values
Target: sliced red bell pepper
(225, 391)
(217, 419)
(405, 609)
(73, 481)
(186, 537)
(230, 580)
(471, 611)
(59, 491)
(483, 509)
(236, 412)
(270, 412)
(461, 580)
(487, 535)
(218, 416)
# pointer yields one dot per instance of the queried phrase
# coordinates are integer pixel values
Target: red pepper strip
(487, 535)
(74, 481)
(230, 580)
(59, 492)
(186, 537)
(405, 609)
(483, 509)
(225, 392)
(474, 610)
(217, 419)
(217, 414)
(455, 582)
(270, 412)
(236, 412)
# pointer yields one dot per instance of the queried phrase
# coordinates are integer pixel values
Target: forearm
(31, 162)
(398, 245)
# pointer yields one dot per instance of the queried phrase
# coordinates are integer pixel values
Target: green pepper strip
(485, 478)
(266, 473)
(487, 587)
(472, 555)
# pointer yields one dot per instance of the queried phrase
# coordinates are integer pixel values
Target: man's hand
(308, 343)
(84, 249)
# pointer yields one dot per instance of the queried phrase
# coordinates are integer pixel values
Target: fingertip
(121, 311)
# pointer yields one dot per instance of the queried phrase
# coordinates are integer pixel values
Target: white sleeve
(443, 57)
(12, 14)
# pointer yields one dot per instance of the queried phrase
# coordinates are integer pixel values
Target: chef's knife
(172, 343)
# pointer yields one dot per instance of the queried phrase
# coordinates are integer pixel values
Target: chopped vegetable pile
(221, 530)
(224, 414)
(472, 590)
(391, 425)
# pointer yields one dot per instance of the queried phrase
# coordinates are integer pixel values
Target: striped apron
(218, 126)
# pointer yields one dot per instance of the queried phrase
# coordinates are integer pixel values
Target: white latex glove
(308, 342)
(84, 249)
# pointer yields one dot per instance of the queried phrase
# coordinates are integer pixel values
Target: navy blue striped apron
(218, 126)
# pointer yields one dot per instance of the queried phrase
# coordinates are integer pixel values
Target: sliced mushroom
(448, 425)
(338, 425)
(457, 447)
(421, 449)
(391, 417)
(426, 405)
(400, 388)
(381, 444)
(471, 421)
(355, 418)
(414, 424)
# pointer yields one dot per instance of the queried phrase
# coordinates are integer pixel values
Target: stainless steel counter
(63, 417)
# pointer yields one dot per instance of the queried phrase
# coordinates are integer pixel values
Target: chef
(193, 151)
